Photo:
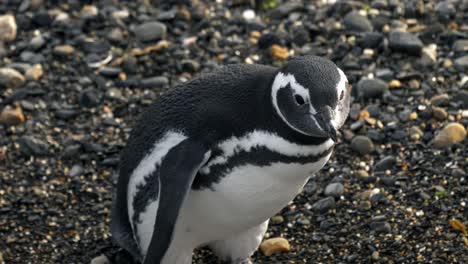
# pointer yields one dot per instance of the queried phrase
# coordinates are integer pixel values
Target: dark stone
(150, 31)
(371, 40)
(355, 22)
(110, 71)
(32, 146)
(384, 164)
(267, 40)
(362, 145)
(89, 98)
(381, 227)
(371, 88)
(155, 82)
(324, 205)
(405, 42)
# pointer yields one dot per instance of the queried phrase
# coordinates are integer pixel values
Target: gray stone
(362, 145)
(155, 82)
(334, 189)
(462, 63)
(460, 45)
(32, 146)
(355, 22)
(76, 170)
(100, 260)
(385, 164)
(323, 205)
(405, 42)
(371, 88)
(150, 31)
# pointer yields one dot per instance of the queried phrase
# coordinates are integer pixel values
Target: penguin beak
(326, 128)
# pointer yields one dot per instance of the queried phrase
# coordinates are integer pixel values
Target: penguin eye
(341, 95)
(299, 99)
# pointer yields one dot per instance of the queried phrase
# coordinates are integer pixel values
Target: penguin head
(312, 96)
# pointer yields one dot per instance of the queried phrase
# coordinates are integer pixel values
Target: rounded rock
(150, 31)
(371, 88)
(274, 245)
(334, 189)
(362, 145)
(405, 42)
(7, 28)
(355, 22)
(451, 134)
(10, 78)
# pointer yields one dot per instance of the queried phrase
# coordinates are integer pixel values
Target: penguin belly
(245, 197)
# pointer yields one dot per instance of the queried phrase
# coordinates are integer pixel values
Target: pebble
(37, 43)
(461, 63)
(34, 73)
(276, 220)
(150, 31)
(267, 40)
(362, 145)
(100, 260)
(384, 164)
(460, 45)
(279, 53)
(451, 134)
(64, 50)
(7, 28)
(76, 170)
(371, 40)
(445, 11)
(11, 116)
(429, 55)
(334, 189)
(89, 11)
(371, 88)
(274, 245)
(405, 42)
(11, 78)
(439, 113)
(32, 146)
(440, 99)
(323, 205)
(381, 227)
(355, 22)
(155, 82)
(88, 98)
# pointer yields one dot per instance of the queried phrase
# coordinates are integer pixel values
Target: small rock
(37, 43)
(354, 21)
(76, 170)
(429, 55)
(279, 53)
(462, 63)
(34, 73)
(276, 220)
(371, 88)
(32, 146)
(100, 260)
(267, 40)
(323, 205)
(381, 227)
(7, 28)
(248, 14)
(150, 31)
(190, 65)
(362, 145)
(439, 113)
(64, 50)
(89, 98)
(371, 40)
(89, 11)
(445, 11)
(375, 255)
(10, 78)
(11, 116)
(385, 164)
(460, 45)
(405, 42)
(155, 82)
(303, 221)
(394, 84)
(451, 134)
(440, 99)
(274, 245)
(414, 84)
(334, 189)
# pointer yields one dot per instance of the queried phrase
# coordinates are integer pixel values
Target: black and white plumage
(210, 161)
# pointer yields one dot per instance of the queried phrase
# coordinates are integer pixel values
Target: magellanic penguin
(213, 159)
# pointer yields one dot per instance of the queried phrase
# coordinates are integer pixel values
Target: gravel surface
(74, 77)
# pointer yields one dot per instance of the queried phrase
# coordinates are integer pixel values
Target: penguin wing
(176, 175)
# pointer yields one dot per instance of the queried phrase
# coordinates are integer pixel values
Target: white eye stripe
(282, 80)
(341, 86)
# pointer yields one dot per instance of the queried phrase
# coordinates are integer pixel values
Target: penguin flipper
(177, 172)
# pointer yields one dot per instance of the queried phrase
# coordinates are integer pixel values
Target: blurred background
(74, 76)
